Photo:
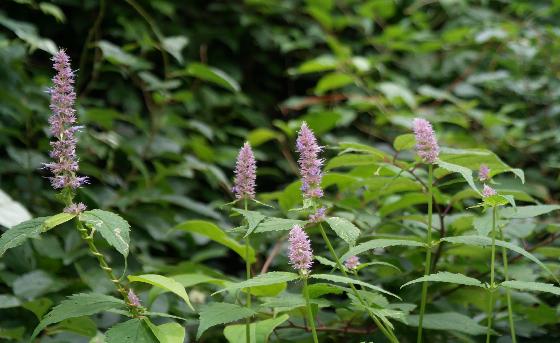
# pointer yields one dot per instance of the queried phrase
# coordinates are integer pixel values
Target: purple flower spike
(133, 299)
(75, 208)
(299, 251)
(245, 173)
(352, 262)
(488, 191)
(309, 163)
(484, 173)
(318, 216)
(426, 142)
(63, 128)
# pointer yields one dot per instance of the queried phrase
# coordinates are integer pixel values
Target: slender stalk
(387, 332)
(248, 276)
(310, 318)
(428, 256)
(508, 293)
(491, 295)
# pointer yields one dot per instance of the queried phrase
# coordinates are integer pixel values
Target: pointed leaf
(221, 313)
(253, 219)
(531, 286)
(165, 283)
(213, 75)
(379, 243)
(465, 172)
(270, 278)
(459, 279)
(448, 321)
(347, 280)
(18, 234)
(112, 227)
(277, 224)
(132, 331)
(344, 229)
(522, 212)
(260, 331)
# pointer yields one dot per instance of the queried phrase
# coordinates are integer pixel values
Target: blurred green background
(169, 90)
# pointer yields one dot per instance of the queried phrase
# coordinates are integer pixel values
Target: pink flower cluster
(133, 298)
(309, 163)
(245, 173)
(426, 142)
(488, 191)
(63, 128)
(352, 262)
(318, 216)
(484, 173)
(299, 250)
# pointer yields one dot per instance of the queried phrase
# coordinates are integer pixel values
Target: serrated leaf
(404, 142)
(18, 234)
(221, 313)
(347, 280)
(448, 321)
(260, 331)
(447, 277)
(213, 75)
(132, 331)
(277, 224)
(165, 283)
(523, 212)
(78, 305)
(216, 234)
(270, 278)
(486, 241)
(465, 172)
(344, 229)
(111, 226)
(379, 243)
(531, 286)
(167, 333)
(253, 219)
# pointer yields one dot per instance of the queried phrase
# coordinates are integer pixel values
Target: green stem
(428, 256)
(248, 276)
(310, 318)
(508, 293)
(387, 332)
(491, 291)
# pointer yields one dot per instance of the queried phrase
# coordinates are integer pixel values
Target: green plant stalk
(248, 276)
(508, 293)
(428, 256)
(310, 318)
(491, 296)
(387, 332)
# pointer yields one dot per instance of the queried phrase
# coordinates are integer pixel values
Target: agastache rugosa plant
(311, 174)
(65, 165)
(427, 149)
(244, 189)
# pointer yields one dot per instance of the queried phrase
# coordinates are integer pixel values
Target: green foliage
(165, 283)
(111, 226)
(221, 313)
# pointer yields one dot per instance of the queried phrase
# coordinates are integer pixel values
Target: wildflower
(309, 163)
(245, 173)
(484, 173)
(63, 128)
(488, 191)
(352, 262)
(318, 216)
(426, 142)
(133, 298)
(75, 208)
(299, 251)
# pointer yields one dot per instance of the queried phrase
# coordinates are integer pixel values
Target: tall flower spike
(426, 142)
(245, 173)
(63, 128)
(488, 191)
(309, 163)
(299, 251)
(133, 298)
(484, 173)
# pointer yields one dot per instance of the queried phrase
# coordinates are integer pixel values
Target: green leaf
(163, 282)
(11, 212)
(253, 219)
(56, 220)
(448, 321)
(351, 160)
(486, 241)
(332, 81)
(277, 224)
(132, 331)
(213, 75)
(270, 278)
(84, 326)
(454, 278)
(259, 331)
(262, 135)
(221, 313)
(347, 280)
(8, 301)
(394, 91)
(112, 227)
(15, 333)
(216, 234)
(379, 243)
(465, 172)
(531, 286)
(114, 54)
(167, 333)
(404, 142)
(344, 229)
(38, 306)
(78, 305)
(174, 45)
(523, 212)
(18, 234)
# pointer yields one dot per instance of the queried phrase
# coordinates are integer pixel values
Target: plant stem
(310, 318)
(248, 276)
(493, 257)
(387, 332)
(428, 256)
(508, 293)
